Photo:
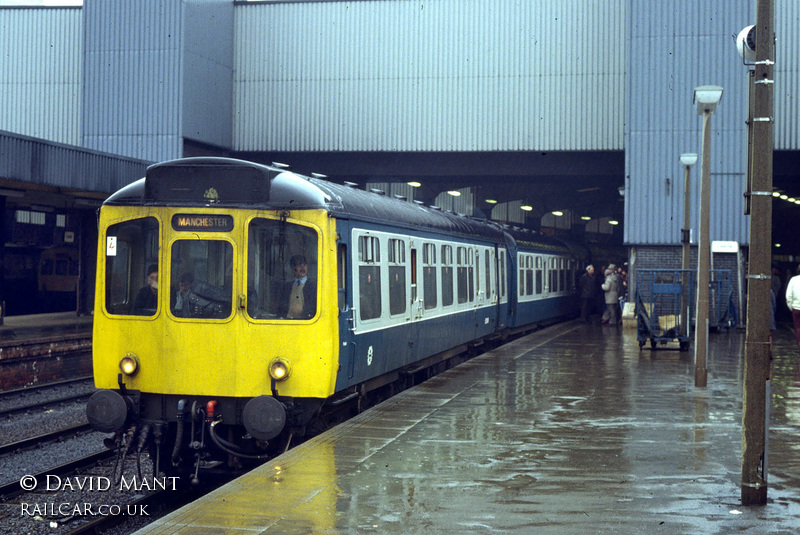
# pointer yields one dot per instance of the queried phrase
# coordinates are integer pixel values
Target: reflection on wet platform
(572, 429)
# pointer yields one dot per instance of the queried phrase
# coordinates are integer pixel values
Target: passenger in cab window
(146, 300)
(187, 303)
(298, 299)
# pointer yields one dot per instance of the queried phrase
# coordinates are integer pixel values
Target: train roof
(227, 182)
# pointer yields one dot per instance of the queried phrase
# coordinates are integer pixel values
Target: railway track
(13, 489)
(44, 405)
(5, 394)
(46, 437)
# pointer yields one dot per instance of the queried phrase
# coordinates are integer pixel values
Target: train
(238, 303)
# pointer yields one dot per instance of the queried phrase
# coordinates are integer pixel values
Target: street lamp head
(688, 159)
(746, 44)
(706, 97)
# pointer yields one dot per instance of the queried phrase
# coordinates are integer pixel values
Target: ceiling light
(557, 213)
(491, 201)
(586, 218)
(454, 193)
(414, 184)
(613, 222)
(526, 208)
(784, 197)
(776, 194)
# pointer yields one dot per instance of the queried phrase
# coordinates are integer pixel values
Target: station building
(568, 117)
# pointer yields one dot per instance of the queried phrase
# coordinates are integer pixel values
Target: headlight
(129, 364)
(279, 369)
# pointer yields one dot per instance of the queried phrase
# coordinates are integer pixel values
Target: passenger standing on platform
(793, 301)
(146, 300)
(588, 289)
(298, 298)
(611, 289)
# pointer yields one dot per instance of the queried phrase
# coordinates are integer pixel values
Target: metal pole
(757, 345)
(685, 252)
(703, 256)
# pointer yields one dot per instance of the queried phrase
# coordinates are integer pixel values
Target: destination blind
(202, 222)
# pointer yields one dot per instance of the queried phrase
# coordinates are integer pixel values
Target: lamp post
(687, 160)
(706, 98)
(756, 400)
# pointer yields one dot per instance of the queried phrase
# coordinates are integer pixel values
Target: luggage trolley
(664, 306)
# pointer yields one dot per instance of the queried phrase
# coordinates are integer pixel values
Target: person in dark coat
(587, 287)
(146, 300)
(298, 299)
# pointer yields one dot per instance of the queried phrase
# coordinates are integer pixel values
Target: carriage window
(447, 275)
(529, 276)
(282, 268)
(397, 277)
(201, 272)
(488, 270)
(429, 275)
(132, 267)
(539, 277)
(462, 274)
(502, 268)
(369, 277)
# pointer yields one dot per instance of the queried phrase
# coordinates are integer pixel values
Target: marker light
(279, 369)
(129, 364)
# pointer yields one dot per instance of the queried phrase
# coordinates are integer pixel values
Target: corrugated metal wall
(40, 72)
(436, 75)
(208, 72)
(673, 47)
(787, 74)
(133, 70)
(41, 162)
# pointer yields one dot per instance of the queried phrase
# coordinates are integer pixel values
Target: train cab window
(282, 267)
(429, 275)
(131, 267)
(369, 278)
(397, 277)
(201, 272)
(447, 275)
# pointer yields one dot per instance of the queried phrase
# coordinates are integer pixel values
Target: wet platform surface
(35, 328)
(572, 429)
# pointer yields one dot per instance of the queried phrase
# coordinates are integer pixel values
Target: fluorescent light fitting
(613, 222)
(454, 193)
(526, 208)
(557, 213)
(414, 184)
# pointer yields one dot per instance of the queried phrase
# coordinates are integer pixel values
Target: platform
(572, 429)
(39, 327)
